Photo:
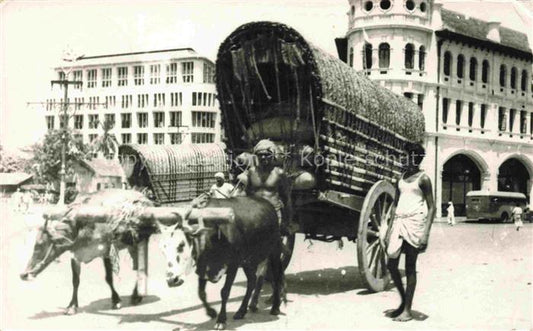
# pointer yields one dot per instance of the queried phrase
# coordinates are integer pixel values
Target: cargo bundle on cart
(342, 137)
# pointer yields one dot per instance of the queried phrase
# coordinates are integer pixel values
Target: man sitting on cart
(270, 182)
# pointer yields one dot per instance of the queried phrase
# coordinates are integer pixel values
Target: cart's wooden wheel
(371, 257)
(288, 246)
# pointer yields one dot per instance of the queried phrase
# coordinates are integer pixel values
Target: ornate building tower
(471, 78)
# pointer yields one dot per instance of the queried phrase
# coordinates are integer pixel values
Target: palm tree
(107, 143)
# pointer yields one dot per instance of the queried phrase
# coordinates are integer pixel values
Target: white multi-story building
(472, 79)
(155, 97)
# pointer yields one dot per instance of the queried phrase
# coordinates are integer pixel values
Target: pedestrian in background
(451, 213)
(409, 231)
(221, 189)
(517, 216)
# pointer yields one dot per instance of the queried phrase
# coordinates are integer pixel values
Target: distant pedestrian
(221, 189)
(451, 213)
(517, 217)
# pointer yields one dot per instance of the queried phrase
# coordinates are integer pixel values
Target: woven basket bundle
(273, 84)
(173, 172)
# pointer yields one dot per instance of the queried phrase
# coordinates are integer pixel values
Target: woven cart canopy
(272, 84)
(173, 172)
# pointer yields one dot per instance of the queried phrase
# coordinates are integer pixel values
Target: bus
(486, 205)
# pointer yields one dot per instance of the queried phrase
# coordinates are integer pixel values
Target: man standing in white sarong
(409, 231)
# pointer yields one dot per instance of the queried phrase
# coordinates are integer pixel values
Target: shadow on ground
(261, 316)
(96, 306)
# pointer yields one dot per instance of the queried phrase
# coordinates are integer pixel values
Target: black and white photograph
(189, 165)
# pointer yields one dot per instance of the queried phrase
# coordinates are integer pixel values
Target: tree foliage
(12, 163)
(107, 142)
(47, 155)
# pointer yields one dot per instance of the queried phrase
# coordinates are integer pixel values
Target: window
(127, 101)
(384, 55)
(142, 120)
(93, 121)
(91, 78)
(50, 122)
(175, 99)
(485, 72)
(523, 121)
(78, 77)
(61, 75)
(122, 76)
(460, 66)
(125, 120)
(513, 77)
(502, 119)
(175, 119)
(421, 58)
(368, 6)
(409, 56)
(483, 115)
(93, 102)
(172, 73)
(138, 75)
(447, 63)
(367, 56)
(155, 71)
(159, 138)
(458, 111)
(503, 74)
(202, 138)
(175, 138)
(187, 72)
(352, 10)
(110, 118)
(202, 119)
(159, 119)
(410, 5)
(78, 122)
(423, 7)
(209, 73)
(142, 138)
(350, 57)
(512, 116)
(523, 83)
(473, 69)
(63, 121)
(126, 138)
(420, 101)
(106, 77)
(92, 137)
(110, 101)
(384, 4)
(470, 114)
(142, 100)
(159, 99)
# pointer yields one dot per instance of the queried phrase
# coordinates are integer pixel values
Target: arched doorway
(513, 176)
(460, 175)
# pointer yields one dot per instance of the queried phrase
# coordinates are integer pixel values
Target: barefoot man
(409, 231)
(269, 182)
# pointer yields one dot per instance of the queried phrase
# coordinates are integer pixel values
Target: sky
(33, 35)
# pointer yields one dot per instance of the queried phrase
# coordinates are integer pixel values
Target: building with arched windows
(472, 79)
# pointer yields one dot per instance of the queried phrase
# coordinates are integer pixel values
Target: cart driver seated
(264, 179)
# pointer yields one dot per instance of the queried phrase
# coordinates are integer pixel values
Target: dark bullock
(250, 240)
(88, 237)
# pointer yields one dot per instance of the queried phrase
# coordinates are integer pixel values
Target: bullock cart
(342, 137)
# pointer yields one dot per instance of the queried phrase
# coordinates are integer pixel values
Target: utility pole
(64, 122)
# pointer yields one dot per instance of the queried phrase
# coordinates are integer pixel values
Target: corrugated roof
(104, 167)
(478, 29)
(14, 178)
